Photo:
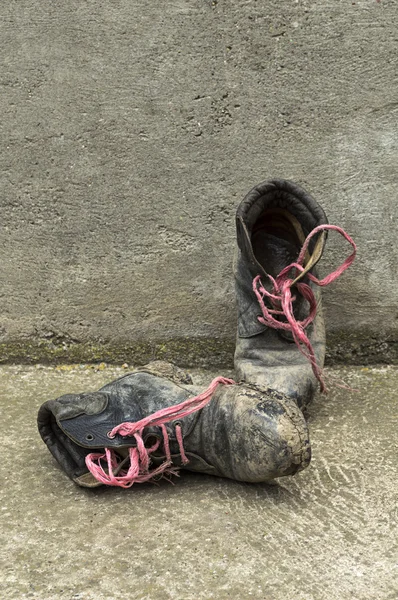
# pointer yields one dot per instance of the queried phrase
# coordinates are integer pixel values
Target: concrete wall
(131, 129)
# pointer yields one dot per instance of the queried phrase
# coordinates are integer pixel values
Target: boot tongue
(273, 251)
(276, 253)
(89, 481)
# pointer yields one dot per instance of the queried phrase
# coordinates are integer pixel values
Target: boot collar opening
(280, 206)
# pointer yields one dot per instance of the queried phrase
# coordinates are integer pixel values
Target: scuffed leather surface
(265, 356)
(270, 360)
(245, 432)
(253, 434)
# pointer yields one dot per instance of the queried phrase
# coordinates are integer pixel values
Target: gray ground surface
(329, 533)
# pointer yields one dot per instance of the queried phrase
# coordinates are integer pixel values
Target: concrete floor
(329, 533)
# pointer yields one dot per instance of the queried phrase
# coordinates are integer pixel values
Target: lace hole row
(90, 437)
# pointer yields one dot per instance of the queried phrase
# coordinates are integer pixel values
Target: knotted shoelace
(139, 455)
(281, 300)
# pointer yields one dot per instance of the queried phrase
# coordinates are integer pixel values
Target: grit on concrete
(328, 533)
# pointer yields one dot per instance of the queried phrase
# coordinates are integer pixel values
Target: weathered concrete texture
(131, 130)
(188, 352)
(329, 533)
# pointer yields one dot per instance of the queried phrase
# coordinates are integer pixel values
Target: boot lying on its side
(152, 422)
(281, 234)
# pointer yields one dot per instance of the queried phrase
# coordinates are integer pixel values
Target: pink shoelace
(281, 298)
(139, 456)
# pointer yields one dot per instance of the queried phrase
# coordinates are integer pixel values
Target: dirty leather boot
(152, 422)
(281, 234)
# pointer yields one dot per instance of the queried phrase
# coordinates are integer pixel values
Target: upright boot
(154, 421)
(281, 234)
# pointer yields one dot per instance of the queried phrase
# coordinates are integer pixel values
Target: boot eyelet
(150, 440)
(109, 435)
(178, 424)
(89, 437)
